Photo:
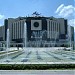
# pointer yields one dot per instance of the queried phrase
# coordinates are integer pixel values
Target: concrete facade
(41, 31)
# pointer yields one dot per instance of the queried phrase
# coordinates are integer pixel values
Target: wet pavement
(39, 55)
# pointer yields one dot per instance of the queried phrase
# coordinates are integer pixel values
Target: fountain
(25, 42)
(7, 46)
(7, 38)
(25, 35)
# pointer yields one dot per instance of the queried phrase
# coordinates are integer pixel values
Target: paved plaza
(38, 56)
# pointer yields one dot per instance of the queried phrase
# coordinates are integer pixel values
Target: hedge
(36, 66)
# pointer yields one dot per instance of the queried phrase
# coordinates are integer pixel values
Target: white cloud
(59, 8)
(1, 16)
(71, 22)
(65, 11)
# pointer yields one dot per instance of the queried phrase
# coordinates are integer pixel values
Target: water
(7, 42)
(25, 35)
(25, 38)
(7, 46)
(39, 55)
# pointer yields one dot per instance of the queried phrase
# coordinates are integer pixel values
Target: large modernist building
(41, 31)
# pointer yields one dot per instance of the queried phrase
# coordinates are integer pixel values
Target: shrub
(36, 66)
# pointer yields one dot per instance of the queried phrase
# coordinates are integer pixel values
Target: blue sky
(56, 8)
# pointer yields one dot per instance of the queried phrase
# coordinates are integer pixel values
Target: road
(37, 72)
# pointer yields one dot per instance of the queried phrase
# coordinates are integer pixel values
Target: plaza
(38, 56)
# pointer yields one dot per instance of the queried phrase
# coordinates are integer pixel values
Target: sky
(57, 8)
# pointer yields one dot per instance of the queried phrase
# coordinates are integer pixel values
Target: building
(2, 35)
(41, 31)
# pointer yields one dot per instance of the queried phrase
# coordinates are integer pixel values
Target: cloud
(59, 8)
(1, 16)
(71, 22)
(65, 11)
